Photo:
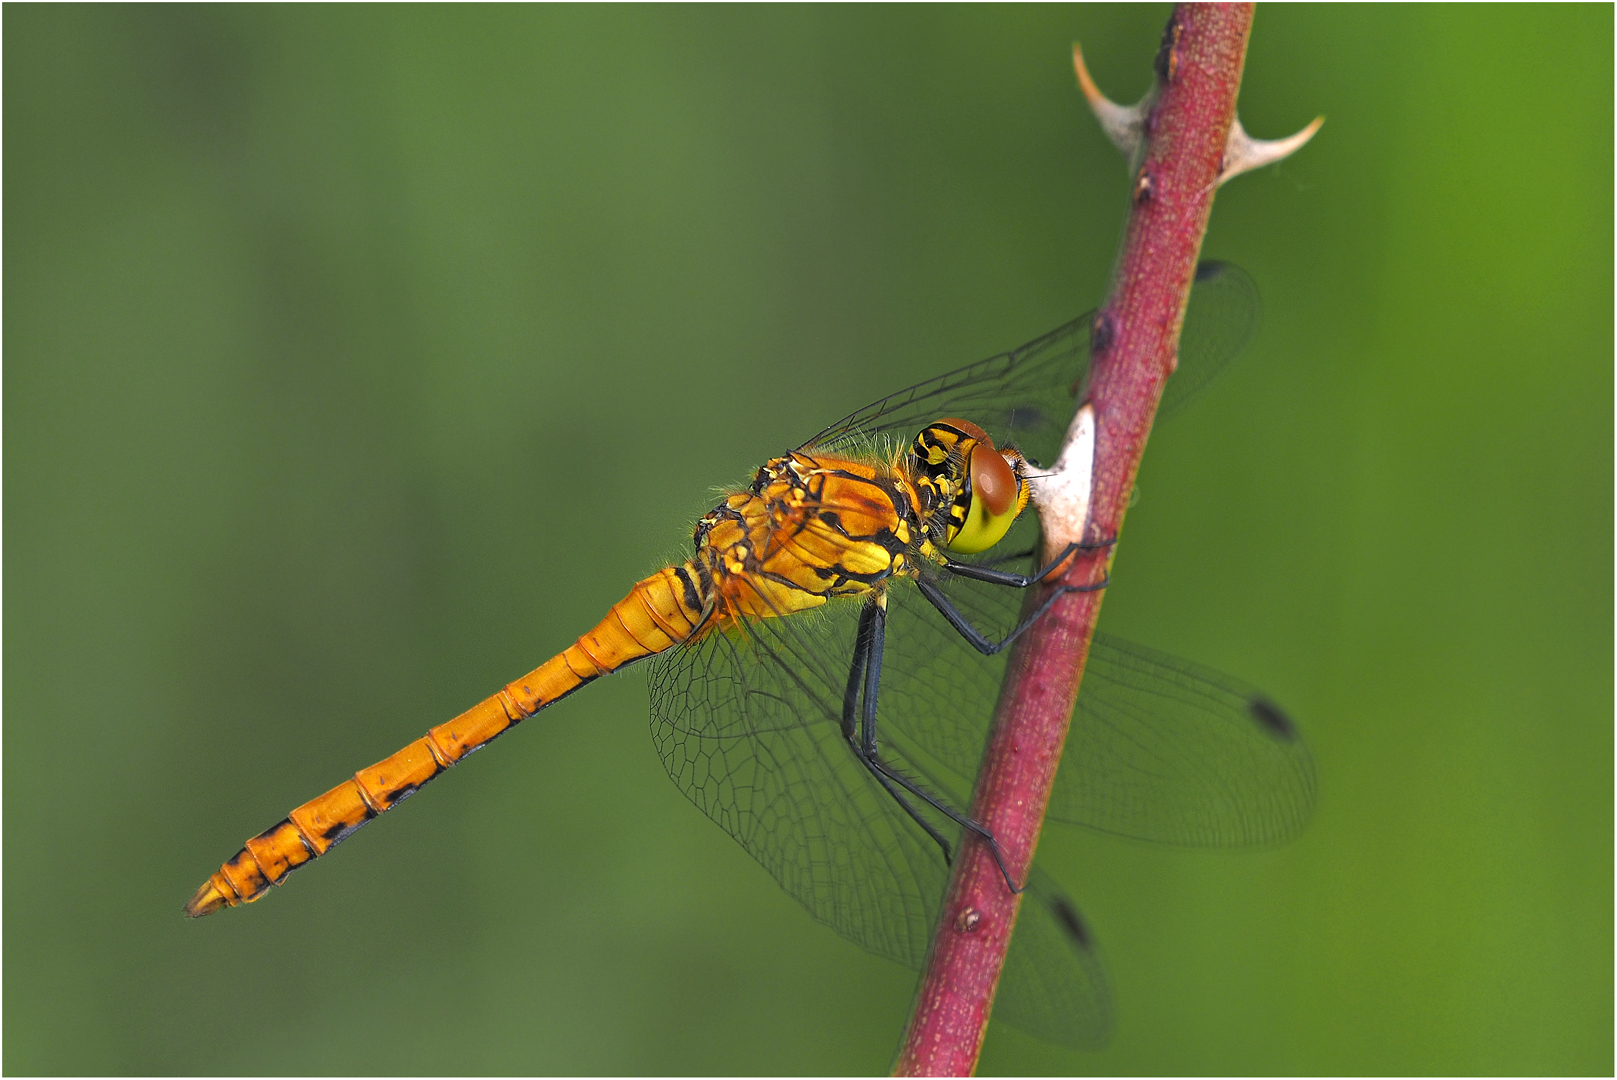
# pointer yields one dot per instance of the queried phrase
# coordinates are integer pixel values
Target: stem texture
(1134, 347)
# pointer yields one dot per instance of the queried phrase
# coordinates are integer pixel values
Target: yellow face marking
(978, 489)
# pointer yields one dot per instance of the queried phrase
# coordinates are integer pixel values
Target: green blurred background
(357, 358)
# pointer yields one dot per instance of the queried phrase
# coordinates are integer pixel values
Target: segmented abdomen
(659, 613)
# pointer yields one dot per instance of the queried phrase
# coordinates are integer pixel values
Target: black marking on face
(951, 463)
(927, 489)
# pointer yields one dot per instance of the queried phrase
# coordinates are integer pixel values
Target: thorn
(1243, 153)
(1123, 124)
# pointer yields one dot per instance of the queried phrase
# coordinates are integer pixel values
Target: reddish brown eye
(992, 479)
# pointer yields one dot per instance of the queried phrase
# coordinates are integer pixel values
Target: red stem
(1134, 351)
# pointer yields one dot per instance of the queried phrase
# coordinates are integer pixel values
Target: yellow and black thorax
(811, 527)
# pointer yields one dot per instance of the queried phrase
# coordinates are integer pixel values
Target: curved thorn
(1092, 92)
(1123, 124)
(1243, 153)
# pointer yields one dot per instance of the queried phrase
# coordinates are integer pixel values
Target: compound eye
(996, 500)
(992, 479)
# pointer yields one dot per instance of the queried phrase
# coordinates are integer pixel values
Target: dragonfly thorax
(808, 529)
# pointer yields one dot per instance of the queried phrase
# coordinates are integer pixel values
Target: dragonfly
(824, 667)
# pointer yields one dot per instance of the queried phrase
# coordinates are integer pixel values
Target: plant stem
(1187, 122)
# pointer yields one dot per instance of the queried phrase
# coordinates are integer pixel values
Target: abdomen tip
(207, 900)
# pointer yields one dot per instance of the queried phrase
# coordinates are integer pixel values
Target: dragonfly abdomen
(659, 613)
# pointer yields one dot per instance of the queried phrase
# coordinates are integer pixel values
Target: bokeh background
(356, 358)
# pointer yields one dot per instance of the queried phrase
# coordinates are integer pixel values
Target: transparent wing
(747, 720)
(1026, 398)
(1054, 983)
(1159, 749)
(1221, 319)
(1163, 749)
(747, 723)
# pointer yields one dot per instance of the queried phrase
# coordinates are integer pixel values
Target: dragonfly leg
(979, 572)
(864, 677)
(909, 808)
(1012, 557)
(856, 674)
(888, 775)
(977, 638)
(866, 669)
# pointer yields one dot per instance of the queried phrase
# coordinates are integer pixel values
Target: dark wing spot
(1208, 269)
(1071, 922)
(1023, 418)
(1271, 719)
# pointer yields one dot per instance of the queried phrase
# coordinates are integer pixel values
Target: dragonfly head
(979, 489)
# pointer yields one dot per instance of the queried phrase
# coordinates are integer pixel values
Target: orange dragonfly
(860, 567)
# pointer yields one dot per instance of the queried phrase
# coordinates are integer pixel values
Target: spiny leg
(859, 731)
(909, 808)
(856, 674)
(867, 663)
(875, 645)
(979, 572)
(977, 638)
(980, 641)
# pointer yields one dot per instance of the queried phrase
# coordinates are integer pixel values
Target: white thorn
(1243, 153)
(1123, 124)
(1062, 495)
